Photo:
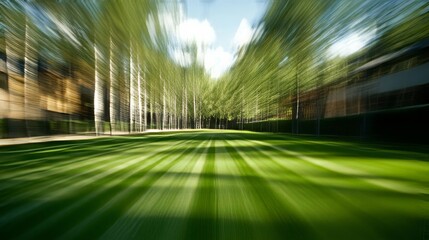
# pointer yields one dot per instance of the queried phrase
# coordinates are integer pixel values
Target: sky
(219, 28)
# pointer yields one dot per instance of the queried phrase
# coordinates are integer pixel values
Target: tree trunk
(27, 73)
(195, 112)
(139, 97)
(31, 96)
(164, 112)
(186, 109)
(8, 63)
(319, 101)
(112, 88)
(145, 103)
(68, 104)
(131, 92)
(151, 114)
(98, 94)
(297, 103)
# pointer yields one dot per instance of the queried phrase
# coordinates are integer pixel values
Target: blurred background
(355, 68)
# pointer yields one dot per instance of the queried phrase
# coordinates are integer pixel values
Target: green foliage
(409, 31)
(287, 57)
(290, 52)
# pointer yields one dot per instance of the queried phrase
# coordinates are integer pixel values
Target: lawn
(214, 185)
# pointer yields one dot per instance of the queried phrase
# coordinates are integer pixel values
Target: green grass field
(213, 185)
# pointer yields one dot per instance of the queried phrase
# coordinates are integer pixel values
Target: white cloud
(181, 57)
(201, 33)
(244, 34)
(217, 61)
(350, 44)
(195, 31)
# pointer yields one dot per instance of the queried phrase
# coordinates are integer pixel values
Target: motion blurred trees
(290, 53)
(119, 53)
(119, 49)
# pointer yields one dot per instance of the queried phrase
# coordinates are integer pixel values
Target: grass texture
(213, 185)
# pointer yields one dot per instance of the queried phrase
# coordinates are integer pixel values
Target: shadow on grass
(204, 220)
(290, 140)
(325, 152)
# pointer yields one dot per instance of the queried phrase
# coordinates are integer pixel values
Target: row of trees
(121, 50)
(291, 53)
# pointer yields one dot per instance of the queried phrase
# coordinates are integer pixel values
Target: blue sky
(225, 16)
(219, 27)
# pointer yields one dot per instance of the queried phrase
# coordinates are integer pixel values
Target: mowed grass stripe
(201, 223)
(218, 185)
(370, 218)
(284, 219)
(56, 146)
(360, 167)
(69, 188)
(50, 170)
(78, 174)
(162, 211)
(399, 162)
(81, 165)
(134, 218)
(119, 184)
(183, 187)
(296, 190)
(242, 213)
(38, 159)
(55, 160)
(357, 172)
(122, 200)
